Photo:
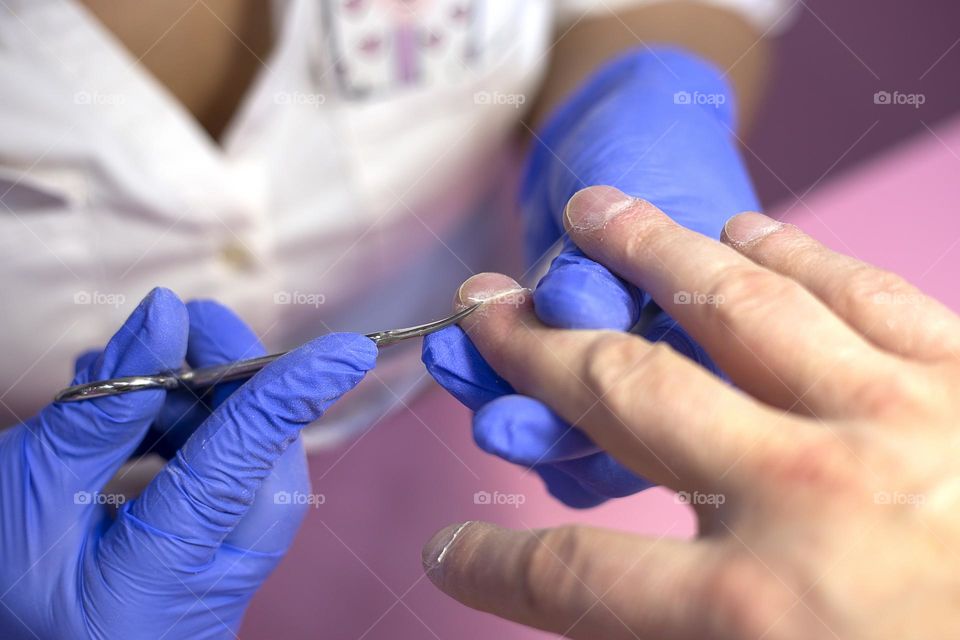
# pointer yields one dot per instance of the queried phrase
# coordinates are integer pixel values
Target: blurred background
(820, 117)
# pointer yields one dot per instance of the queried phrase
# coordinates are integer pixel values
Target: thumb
(84, 443)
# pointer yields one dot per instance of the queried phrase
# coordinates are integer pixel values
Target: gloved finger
(625, 127)
(593, 139)
(85, 360)
(604, 476)
(84, 443)
(527, 432)
(217, 336)
(180, 415)
(458, 367)
(552, 579)
(279, 505)
(579, 293)
(203, 493)
(568, 489)
(683, 156)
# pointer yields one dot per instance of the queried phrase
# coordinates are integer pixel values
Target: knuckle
(655, 368)
(617, 364)
(899, 391)
(609, 356)
(552, 568)
(867, 284)
(747, 597)
(744, 292)
(212, 500)
(821, 460)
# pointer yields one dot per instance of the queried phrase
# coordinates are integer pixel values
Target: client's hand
(825, 486)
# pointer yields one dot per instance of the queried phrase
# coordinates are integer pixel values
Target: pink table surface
(354, 570)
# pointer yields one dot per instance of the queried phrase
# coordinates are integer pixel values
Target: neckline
(161, 99)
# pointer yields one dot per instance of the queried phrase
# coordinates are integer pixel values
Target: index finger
(663, 416)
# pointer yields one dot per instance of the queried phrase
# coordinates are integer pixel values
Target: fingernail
(749, 227)
(486, 287)
(436, 550)
(593, 207)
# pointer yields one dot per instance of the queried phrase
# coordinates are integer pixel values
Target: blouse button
(238, 257)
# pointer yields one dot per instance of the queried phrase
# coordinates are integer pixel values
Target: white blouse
(365, 175)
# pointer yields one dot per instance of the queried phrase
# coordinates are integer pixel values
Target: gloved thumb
(84, 443)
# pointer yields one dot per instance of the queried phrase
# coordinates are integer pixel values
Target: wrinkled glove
(184, 558)
(657, 124)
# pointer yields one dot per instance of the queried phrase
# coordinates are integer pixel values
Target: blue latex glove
(655, 124)
(216, 336)
(184, 558)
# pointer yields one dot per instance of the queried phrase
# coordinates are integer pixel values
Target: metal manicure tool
(240, 370)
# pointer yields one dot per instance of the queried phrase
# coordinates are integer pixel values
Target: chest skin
(205, 53)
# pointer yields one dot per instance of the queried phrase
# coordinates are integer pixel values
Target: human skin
(826, 474)
(721, 36)
(207, 54)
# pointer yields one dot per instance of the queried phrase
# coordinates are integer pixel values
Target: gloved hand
(215, 336)
(184, 558)
(657, 124)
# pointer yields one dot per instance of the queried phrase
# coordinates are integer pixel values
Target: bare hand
(825, 483)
